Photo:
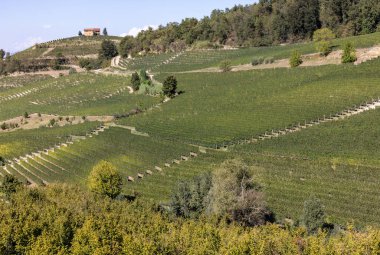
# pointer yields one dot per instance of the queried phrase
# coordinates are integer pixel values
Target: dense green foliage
(108, 49)
(104, 179)
(9, 185)
(313, 215)
(225, 66)
(69, 220)
(262, 24)
(135, 81)
(169, 87)
(90, 64)
(295, 59)
(323, 37)
(189, 199)
(234, 193)
(349, 54)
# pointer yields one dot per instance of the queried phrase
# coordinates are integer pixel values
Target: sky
(27, 22)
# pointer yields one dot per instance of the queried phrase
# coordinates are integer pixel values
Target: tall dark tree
(108, 49)
(80, 33)
(169, 86)
(135, 81)
(2, 54)
(105, 33)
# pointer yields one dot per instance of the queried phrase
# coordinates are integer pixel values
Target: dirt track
(35, 121)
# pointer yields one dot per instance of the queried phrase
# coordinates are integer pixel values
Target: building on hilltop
(91, 31)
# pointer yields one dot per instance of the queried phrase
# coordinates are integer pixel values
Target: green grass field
(220, 108)
(354, 141)
(131, 154)
(337, 161)
(22, 142)
(79, 94)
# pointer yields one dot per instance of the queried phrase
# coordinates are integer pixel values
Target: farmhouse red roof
(92, 29)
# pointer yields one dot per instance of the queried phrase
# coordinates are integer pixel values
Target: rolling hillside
(274, 119)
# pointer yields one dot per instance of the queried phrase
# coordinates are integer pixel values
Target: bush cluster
(62, 219)
(261, 60)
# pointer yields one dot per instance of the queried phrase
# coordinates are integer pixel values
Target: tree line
(268, 22)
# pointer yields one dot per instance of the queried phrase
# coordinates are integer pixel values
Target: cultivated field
(217, 109)
(69, 47)
(80, 94)
(194, 60)
(215, 117)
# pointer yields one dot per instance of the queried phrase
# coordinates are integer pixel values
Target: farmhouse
(91, 31)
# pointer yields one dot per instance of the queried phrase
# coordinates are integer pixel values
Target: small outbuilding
(91, 31)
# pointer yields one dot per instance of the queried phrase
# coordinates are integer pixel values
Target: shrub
(135, 81)
(322, 38)
(90, 64)
(4, 126)
(257, 61)
(143, 75)
(234, 193)
(169, 86)
(313, 214)
(52, 122)
(26, 115)
(349, 53)
(295, 60)
(225, 66)
(108, 50)
(188, 199)
(9, 185)
(269, 60)
(105, 180)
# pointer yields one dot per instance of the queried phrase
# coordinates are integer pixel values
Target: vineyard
(80, 94)
(303, 131)
(72, 157)
(199, 59)
(216, 110)
(74, 46)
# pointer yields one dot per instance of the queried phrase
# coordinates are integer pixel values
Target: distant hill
(269, 22)
(78, 46)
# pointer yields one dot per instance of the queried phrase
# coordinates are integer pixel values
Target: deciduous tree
(104, 179)
(108, 50)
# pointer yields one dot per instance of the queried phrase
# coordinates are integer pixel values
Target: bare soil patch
(35, 121)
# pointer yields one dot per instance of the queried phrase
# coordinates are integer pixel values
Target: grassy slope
(194, 60)
(130, 153)
(337, 161)
(219, 108)
(353, 141)
(74, 46)
(216, 108)
(80, 94)
(19, 143)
